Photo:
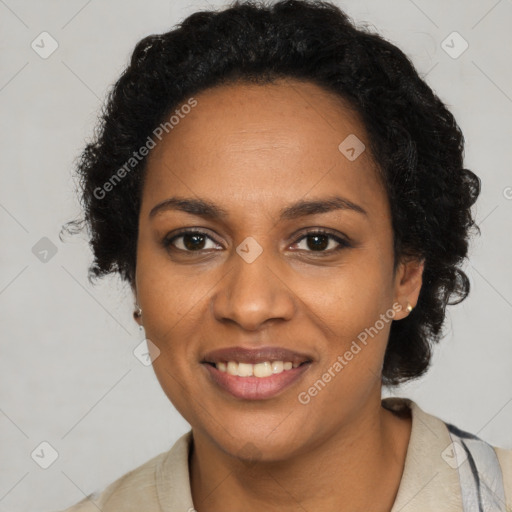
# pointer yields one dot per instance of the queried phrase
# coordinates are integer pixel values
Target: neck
(344, 473)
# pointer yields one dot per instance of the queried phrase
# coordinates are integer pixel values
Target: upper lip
(255, 355)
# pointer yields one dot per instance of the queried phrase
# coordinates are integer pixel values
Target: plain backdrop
(68, 373)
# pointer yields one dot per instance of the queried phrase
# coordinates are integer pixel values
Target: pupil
(194, 237)
(318, 246)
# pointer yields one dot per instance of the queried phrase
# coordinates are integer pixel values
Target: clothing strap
(480, 474)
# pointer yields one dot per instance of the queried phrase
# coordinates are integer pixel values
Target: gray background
(69, 376)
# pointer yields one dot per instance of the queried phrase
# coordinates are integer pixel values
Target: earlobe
(409, 279)
(137, 314)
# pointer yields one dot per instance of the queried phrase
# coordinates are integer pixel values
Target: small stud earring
(409, 307)
(138, 312)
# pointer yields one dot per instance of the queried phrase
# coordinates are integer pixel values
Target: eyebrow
(302, 208)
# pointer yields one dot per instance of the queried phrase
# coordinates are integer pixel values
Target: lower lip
(256, 388)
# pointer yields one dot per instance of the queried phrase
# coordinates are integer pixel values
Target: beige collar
(428, 482)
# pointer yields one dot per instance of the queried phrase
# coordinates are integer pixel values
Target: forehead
(264, 144)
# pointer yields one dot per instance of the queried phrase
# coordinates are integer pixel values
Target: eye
(319, 241)
(188, 241)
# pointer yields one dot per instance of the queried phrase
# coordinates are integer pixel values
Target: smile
(252, 387)
(255, 373)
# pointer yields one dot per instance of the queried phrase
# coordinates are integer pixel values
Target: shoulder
(139, 483)
(505, 460)
(461, 458)
(136, 490)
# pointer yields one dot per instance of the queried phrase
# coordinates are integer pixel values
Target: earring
(138, 312)
(409, 307)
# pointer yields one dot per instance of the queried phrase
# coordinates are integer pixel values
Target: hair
(415, 141)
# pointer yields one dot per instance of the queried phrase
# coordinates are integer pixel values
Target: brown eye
(318, 241)
(189, 241)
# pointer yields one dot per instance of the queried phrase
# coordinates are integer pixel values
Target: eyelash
(168, 241)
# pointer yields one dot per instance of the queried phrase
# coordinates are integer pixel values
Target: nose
(253, 293)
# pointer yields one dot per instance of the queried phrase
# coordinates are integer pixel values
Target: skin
(253, 150)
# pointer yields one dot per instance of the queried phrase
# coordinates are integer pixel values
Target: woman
(287, 199)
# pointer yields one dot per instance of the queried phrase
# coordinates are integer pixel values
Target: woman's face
(256, 156)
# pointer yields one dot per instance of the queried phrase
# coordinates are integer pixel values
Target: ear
(133, 287)
(138, 319)
(408, 281)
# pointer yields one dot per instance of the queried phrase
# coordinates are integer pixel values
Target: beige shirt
(428, 482)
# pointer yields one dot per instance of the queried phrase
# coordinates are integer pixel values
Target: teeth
(245, 370)
(264, 369)
(277, 366)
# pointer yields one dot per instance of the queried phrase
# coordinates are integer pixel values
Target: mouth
(255, 374)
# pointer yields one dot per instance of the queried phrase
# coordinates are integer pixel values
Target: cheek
(354, 311)
(167, 297)
(355, 317)
(350, 297)
(172, 304)
(168, 291)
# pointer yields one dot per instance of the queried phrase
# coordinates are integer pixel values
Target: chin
(258, 445)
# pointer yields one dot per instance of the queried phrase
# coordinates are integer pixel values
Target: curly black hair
(414, 139)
